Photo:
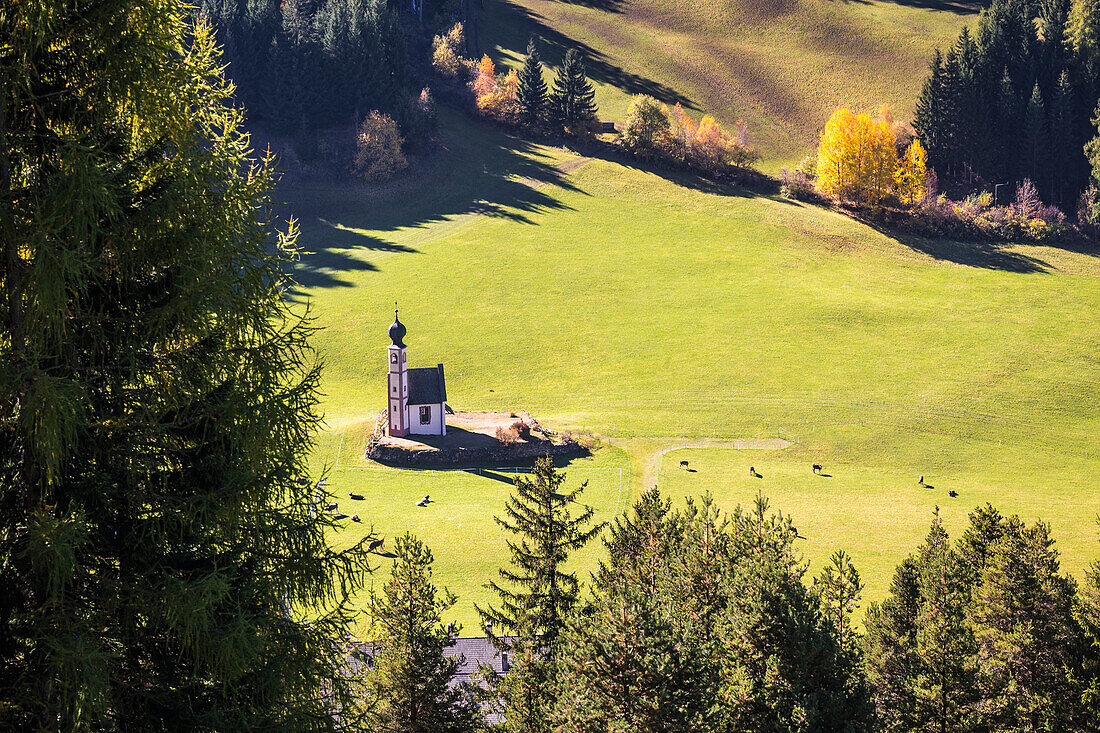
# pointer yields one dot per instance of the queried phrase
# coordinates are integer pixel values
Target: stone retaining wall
(506, 454)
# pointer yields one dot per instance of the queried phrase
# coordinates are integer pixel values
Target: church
(417, 397)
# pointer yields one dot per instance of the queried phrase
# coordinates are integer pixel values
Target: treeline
(306, 64)
(1014, 100)
(698, 620)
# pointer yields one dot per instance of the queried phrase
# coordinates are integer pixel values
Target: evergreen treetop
(544, 532)
(573, 99)
(531, 94)
(411, 677)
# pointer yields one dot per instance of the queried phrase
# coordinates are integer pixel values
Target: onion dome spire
(397, 331)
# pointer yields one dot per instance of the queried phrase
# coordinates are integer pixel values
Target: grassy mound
(781, 65)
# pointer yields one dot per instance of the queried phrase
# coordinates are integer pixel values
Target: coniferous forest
(1015, 99)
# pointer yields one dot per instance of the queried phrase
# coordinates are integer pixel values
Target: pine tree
(163, 563)
(929, 119)
(943, 684)
(410, 676)
(531, 96)
(573, 99)
(890, 650)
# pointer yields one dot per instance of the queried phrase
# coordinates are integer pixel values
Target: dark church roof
(397, 331)
(427, 386)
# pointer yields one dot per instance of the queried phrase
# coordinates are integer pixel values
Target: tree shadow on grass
(515, 25)
(476, 170)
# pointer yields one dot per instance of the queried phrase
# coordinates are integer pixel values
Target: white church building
(417, 397)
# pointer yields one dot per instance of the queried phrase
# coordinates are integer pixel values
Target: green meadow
(656, 310)
(780, 65)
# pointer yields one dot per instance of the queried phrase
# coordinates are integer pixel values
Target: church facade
(417, 397)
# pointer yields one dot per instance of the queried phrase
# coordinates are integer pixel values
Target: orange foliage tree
(706, 144)
(495, 95)
(858, 158)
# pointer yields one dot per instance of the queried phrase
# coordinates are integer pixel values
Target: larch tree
(531, 94)
(911, 176)
(573, 99)
(857, 157)
(411, 677)
(163, 563)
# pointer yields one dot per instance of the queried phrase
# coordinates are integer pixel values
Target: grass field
(781, 65)
(656, 310)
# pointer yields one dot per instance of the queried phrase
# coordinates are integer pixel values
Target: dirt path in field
(652, 463)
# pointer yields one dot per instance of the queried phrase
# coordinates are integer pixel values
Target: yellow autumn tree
(486, 78)
(912, 173)
(857, 157)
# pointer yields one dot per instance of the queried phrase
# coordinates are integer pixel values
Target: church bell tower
(398, 387)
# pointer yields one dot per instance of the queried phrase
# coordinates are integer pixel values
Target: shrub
(507, 435)
(646, 128)
(521, 429)
(1027, 204)
(379, 155)
(797, 185)
(447, 52)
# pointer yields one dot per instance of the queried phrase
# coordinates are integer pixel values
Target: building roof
(427, 386)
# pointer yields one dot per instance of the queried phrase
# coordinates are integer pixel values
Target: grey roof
(427, 386)
(475, 650)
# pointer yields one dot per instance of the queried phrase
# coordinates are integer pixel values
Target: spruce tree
(531, 92)
(540, 595)
(1036, 139)
(929, 120)
(545, 532)
(573, 100)
(163, 563)
(411, 678)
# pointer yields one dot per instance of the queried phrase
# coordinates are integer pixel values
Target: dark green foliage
(540, 596)
(410, 676)
(573, 100)
(702, 622)
(531, 94)
(1088, 618)
(979, 636)
(157, 397)
(304, 64)
(544, 533)
(1007, 103)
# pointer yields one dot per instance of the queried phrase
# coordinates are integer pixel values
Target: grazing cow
(921, 480)
(424, 501)
(331, 507)
(375, 544)
(794, 530)
(355, 517)
(357, 497)
(952, 493)
(683, 464)
(816, 468)
(753, 473)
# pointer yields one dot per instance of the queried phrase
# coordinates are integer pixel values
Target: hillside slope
(781, 65)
